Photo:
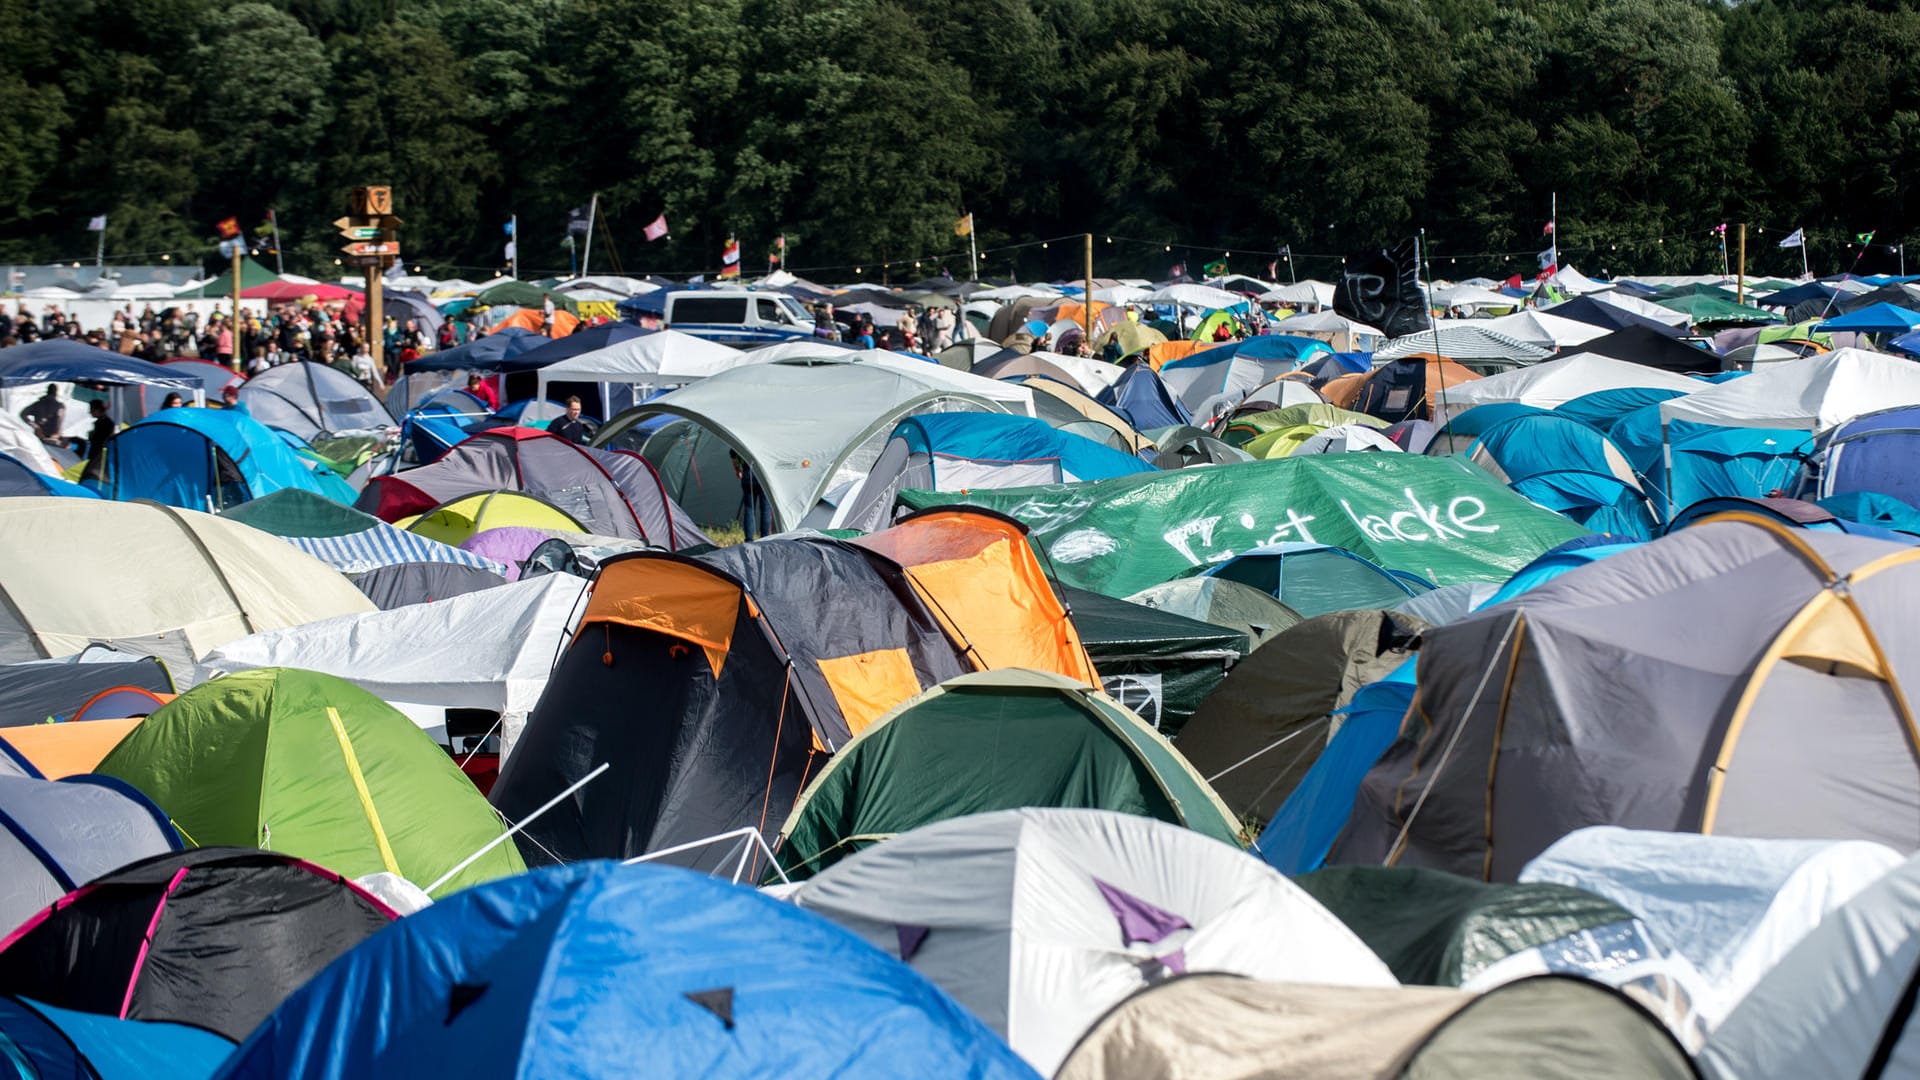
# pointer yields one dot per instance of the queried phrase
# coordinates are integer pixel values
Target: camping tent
(1412, 387)
(1255, 736)
(607, 492)
(1870, 453)
(1143, 400)
(1787, 721)
(490, 650)
(1227, 1028)
(73, 571)
(1158, 664)
(1440, 518)
(1651, 348)
(43, 1041)
(1558, 381)
(211, 459)
(1567, 467)
(992, 741)
(1464, 340)
(1039, 920)
(655, 358)
(214, 937)
(59, 836)
(310, 400)
(1314, 579)
(672, 973)
(313, 766)
(1256, 614)
(342, 537)
(1814, 393)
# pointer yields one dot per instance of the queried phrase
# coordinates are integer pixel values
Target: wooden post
(375, 324)
(238, 364)
(1740, 287)
(1086, 308)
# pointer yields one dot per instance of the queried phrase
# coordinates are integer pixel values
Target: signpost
(372, 228)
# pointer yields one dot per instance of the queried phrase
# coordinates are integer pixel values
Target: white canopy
(1317, 293)
(1731, 906)
(1574, 283)
(1556, 382)
(1813, 394)
(1644, 308)
(19, 442)
(1325, 322)
(491, 649)
(1038, 921)
(1122, 294)
(1473, 297)
(1015, 292)
(1544, 328)
(1187, 294)
(662, 358)
(1837, 999)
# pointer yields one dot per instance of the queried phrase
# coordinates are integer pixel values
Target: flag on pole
(228, 228)
(97, 224)
(1797, 238)
(963, 227)
(1179, 270)
(731, 253)
(512, 250)
(1546, 261)
(508, 227)
(1216, 268)
(773, 258)
(1548, 231)
(577, 221)
(780, 244)
(1866, 237)
(656, 228)
(1720, 230)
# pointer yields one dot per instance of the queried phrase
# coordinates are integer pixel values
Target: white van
(743, 319)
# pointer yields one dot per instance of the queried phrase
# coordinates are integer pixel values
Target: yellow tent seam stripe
(366, 797)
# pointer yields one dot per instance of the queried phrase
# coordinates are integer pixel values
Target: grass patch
(727, 535)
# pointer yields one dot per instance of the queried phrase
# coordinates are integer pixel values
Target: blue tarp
(1874, 508)
(1289, 347)
(17, 479)
(170, 457)
(1707, 460)
(997, 438)
(1604, 408)
(1140, 397)
(62, 1043)
(489, 353)
(66, 360)
(1874, 319)
(599, 970)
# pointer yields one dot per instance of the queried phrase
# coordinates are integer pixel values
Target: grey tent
(1738, 677)
(406, 583)
(1157, 663)
(1259, 733)
(35, 691)
(1222, 1027)
(610, 493)
(59, 835)
(310, 400)
(1223, 603)
(1184, 445)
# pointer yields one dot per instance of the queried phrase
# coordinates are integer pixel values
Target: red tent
(278, 291)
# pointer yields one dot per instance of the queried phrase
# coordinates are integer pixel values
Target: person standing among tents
(478, 387)
(756, 512)
(223, 344)
(97, 439)
(573, 429)
(46, 416)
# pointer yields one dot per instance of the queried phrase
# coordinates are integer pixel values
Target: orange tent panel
(535, 319)
(1175, 350)
(675, 597)
(68, 749)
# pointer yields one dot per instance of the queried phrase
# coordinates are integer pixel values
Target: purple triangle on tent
(1175, 961)
(909, 939)
(1139, 920)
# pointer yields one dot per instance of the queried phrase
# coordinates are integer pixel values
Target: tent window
(866, 685)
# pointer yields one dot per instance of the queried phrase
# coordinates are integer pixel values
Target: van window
(710, 309)
(767, 310)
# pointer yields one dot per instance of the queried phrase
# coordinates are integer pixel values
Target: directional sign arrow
(387, 247)
(361, 232)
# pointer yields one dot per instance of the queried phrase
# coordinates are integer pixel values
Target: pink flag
(656, 229)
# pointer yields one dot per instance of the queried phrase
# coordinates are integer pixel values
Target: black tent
(215, 937)
(1639, 345)
(1599, 313)
(1902, 296)
(30, 693)
(401, 584)
(1159, 664)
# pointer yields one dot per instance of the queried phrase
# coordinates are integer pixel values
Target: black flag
(577, 222)
(1382, 289)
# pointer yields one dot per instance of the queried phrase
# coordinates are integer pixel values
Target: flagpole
(513, 264)
(586, 257)
(973, 247)
(1553, 245)
(1804, 272)
(279, 264)
(100, 248)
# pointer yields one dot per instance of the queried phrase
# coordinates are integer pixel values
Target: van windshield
(710, 309)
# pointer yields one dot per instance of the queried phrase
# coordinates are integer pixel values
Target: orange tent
(68, 749)
(535, 319)
(1351, 391)
(1175, 350)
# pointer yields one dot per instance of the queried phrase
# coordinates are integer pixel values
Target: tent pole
(1740, 283)
(1086, 307)
(586, 257)
(524, 822)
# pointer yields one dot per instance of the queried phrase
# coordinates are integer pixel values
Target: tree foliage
(861, 129)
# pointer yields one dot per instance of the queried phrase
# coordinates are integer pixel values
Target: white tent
(1015, 292)
(1314, 293)
(1644, 308)
(18, 442)
(662, 358)
(1811, 394)
(1473, 298)
(1092, 376)
(1122, 294)
(1463, 339)
(1555, 382)
(1326, 322)
(1038, 921)
(1544, 328)
(491, 649)
(1731, 906)
(1187, 294)
(1574, 283)
(800, 349)
(1345, 439)
(1841, 999)
(174, 583)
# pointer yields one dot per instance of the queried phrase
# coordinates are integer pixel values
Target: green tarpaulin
(525, 294)
(1444, 519)
(1159, 664)
(251, 274)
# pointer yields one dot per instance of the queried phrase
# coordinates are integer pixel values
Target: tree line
(861, 130)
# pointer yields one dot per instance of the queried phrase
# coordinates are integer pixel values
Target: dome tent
(218, 458)
(1039, 920)
(44, 1041)
(59, 836)
(311, 400)
(313, 766)
(214, 937)
(584, 971)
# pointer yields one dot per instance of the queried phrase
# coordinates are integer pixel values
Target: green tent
(1159, 664)
(1439, 929)
(524, 294)
(251, 274)
(314, 767)
(1705, 308)
(1260, 616)
(1442, 518)
(1314, 416)
(993, 740)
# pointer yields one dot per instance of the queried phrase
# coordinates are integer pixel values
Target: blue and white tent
(218, 458)
(346, 539)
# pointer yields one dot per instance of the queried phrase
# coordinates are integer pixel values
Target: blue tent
(601, 970)
(1799, 294)
(1604, 408)
(1465, 426)
(1874, 508)
(1303, 830)
(1314, 579)
(489, 353)
(1875, 451)
(193, 457)
(1792, 513)
(1292, 348)
(1567, 467)
(1707, 460)
(647, 303)
(1879, 318)
(1140, 397)
(998, 439)
(1613, 317)
(586, 340)
(66, 360)
(42, 1041)
(17, 479)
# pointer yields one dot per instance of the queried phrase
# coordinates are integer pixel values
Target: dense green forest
(860, 129)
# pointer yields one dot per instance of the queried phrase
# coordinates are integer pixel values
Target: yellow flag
(963, 227)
